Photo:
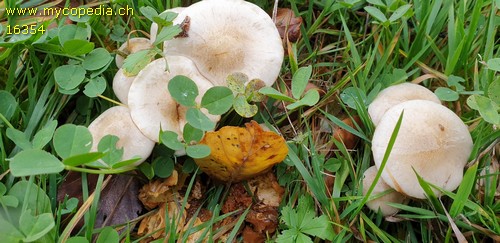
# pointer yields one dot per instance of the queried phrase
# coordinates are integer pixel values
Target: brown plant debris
(158, 191)
(288, 24)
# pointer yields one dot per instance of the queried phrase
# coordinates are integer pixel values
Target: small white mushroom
(121, 85)
(131, 46)
(150, 103)
(153, 31)
(380, 187)
(116, 121)
(227, 36)
(432, 140)
(396, 94)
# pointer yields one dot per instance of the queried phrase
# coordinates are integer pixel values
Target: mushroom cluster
(223, 37)
(432, 142)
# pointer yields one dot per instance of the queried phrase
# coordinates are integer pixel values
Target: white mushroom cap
(121, 85)
(396, 94)
(227, 36)
(432, 140)
(380, 187)
(150, 103)
(117, 121)
(131, 46)
(153, 31)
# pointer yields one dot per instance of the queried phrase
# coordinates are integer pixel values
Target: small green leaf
(446, 94)
(9, 105)
(148, 12)
(34, 227)
(352, 95)
(78, 47)
(77, 239)
(19, 138)
(96, 59)
(217, 100)
(95, 87)
(252, 90)
(168, 15)
(376, 13)
(81, 159)
(189, 166)
(80, 18)
(163, 167)
(70, 205)
(486, 107)
(34, 162)
(399, 12)
(319, 227)
(309, 99)
(242, 107)
(70, 139)
(183, 90)
(300, 80)
(108, 235)
(286, 236)
(191, 134)
(136, 61)
(198, 151)
(170, 139)
(494, 91)
(72, 32)
(112, 154)
(147, 170)
(70, 76)
(236, 82)
(456, 81)
(9, 201)
(167, 33)
(275, 94)
(69, 92)
(494, 64)
(333, 164)
(45, 134)
(49, 48)
(199, 120)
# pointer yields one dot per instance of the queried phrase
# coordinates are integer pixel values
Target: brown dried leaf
(196, 236)
(267, 189)
(119, 203)
(288, 24)
(158, 191)
(350, 140)
(250, 236)
(154, 224)
(263, 218)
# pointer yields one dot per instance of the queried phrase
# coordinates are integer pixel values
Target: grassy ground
(356, 48)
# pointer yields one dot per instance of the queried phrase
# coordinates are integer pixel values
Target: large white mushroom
(227, 36)
(116, 121)
(381, 187)
(121, 85)
(122, 82)
(149, 100)
(397, 94)
(432, 142)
